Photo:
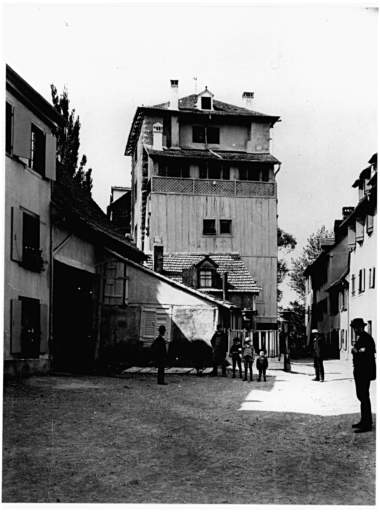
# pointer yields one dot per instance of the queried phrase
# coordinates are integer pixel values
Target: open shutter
(50, 156)
(17, 245)
(351, 237)
(359, 230)
(16, 326)
(22, 132)
(44, 322)
(116, 284)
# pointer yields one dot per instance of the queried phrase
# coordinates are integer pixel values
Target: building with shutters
(203, 181)
(30, 171)
(341, 283)
(107, 305)
(362, 242)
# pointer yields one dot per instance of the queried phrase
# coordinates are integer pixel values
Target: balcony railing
(164, 185)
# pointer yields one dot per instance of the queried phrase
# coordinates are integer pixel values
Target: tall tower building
(203, 181)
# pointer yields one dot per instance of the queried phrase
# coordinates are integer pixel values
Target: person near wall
(235, 353)
(159, 350)
(363, 353)
(219, 345)
(318, 347)
(248, 358)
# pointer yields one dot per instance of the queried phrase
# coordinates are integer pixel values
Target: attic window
(205, 279)
(206, 103)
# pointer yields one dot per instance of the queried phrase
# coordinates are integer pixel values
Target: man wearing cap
(363, 353)
(318, 345)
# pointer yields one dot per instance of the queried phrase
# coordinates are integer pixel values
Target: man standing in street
(159, 350)
(318, 345)
(363, 353)
(219, 351)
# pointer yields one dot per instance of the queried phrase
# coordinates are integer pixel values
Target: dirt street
(198, 440)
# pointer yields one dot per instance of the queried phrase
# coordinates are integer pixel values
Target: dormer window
(205, 278)
(206, 103)
(205, 100)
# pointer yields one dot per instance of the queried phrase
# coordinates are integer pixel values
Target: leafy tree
(68, 141)
(285, 243)
(309, 254)
(295, 315)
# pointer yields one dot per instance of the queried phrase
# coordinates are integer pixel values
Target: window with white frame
(371, 280)
(205, 278)
(361, 285)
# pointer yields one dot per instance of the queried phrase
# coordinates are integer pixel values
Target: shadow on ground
(104, 440)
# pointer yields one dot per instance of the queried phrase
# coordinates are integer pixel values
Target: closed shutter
(17, 245)
(16, 326)
(163, 318)
(22, 132)
(44, 322)
(351, 237)
(50, 158)
(149, 323)
(151, 319)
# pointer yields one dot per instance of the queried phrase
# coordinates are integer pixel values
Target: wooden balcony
(191, 186)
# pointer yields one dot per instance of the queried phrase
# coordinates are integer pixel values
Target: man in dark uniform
(363, 353)
(318, 346)
(219, 351)
(159, 349)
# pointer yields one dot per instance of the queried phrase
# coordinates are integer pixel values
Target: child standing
(248, 358)
(262, 365)
(235, 353)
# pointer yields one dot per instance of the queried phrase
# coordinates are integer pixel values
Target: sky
(315, 66)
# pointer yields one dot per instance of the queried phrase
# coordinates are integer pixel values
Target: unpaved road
(197, 440)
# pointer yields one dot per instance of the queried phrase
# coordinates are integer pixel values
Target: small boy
(262, 365)
(235, 352)
(248, 358)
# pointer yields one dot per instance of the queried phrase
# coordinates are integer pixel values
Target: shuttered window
(115, 284)
(27, 141)
(29, 327)
(151, 319)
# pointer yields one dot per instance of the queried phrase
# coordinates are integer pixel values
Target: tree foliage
(309, 254)
(68, 141)
(285, 243)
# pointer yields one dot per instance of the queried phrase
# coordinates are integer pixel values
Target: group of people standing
(363, 353)
(239, 354)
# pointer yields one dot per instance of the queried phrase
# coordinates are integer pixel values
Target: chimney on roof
(157, 136)
(173, 105)
(247, 99)
(346, 211)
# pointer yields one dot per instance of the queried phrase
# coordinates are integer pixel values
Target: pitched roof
(69, 197)
(188, 104)
(230, 156)
(239, 279)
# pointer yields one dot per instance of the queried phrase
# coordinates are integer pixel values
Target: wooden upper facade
(203, 180)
